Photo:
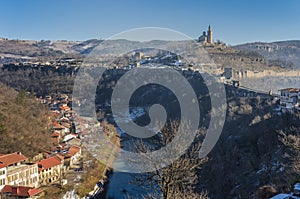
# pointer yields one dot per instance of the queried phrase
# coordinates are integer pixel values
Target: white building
(3, 171)
(289, 98)
(16, 172)
(23, 175)
(50, 170)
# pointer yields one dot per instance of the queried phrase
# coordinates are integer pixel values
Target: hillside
(30, 50)
(258, 148)
(283, 53)
(24, 123)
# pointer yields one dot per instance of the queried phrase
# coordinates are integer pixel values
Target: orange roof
(12, 158)
(57, 126)
(48, 163)
(2, 165)
(66, 125)
(55, 134)
(73, 150)
(65, 107)
(33, 192)
(20, 191)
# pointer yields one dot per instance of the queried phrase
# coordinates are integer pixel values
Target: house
(69, 137)
(23, 175)
(3, 171)
(74, 142)
(18, 172)
(15, 192)
(55, 137)
(59, 128)
(64, 108)
(289, 98)
(75, 154)
(66, 127)
(50, 170)
(13, 159)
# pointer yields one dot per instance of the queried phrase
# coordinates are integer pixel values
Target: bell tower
(210, 35)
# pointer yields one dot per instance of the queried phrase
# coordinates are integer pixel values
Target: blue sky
(233, 22)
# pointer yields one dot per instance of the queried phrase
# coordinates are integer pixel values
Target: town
(23, 177)
(62, 170)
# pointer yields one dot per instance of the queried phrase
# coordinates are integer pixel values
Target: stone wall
(265, 73)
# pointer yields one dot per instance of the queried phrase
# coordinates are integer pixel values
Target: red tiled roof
(48, 163)
(2, 165)
(33, 192)
(55, 134)
(12, 158)
(65, 107)
(58, 126)
(66, 125)
(73, 150)
(20, 191)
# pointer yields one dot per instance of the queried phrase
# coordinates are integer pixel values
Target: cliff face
(227, 57)
(41, 80)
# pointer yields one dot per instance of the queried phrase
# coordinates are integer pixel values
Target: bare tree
(178, 179)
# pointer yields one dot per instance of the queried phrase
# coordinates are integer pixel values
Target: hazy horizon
(233, 22)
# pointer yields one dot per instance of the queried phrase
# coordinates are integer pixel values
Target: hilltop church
(207, 38)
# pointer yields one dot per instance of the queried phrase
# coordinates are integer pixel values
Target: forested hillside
(24, 123)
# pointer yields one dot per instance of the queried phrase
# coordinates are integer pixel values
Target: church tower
(210, 35)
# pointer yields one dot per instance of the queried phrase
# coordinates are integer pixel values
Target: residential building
(75, 154)
(13, 159)
(289, 98)
(16, 192)
(50, 170)
(17, 172)
(23, 175)
(3, 171)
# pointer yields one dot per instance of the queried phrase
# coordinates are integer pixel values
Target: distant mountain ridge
(284, 53)
(280, 53)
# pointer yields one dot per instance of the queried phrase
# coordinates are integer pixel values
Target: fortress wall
(265, 73)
